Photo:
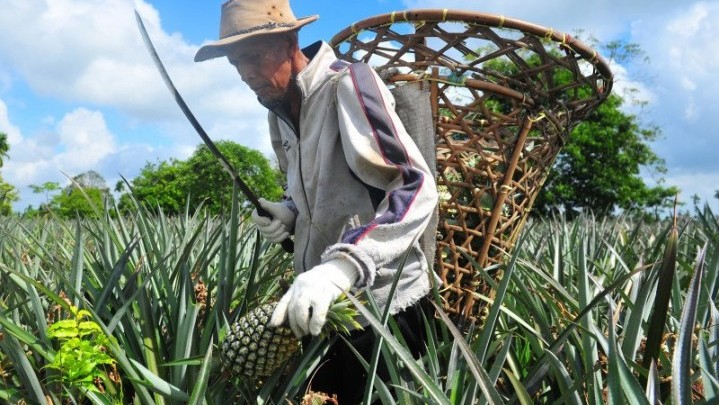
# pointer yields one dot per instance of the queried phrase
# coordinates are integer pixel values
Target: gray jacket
(361, 188)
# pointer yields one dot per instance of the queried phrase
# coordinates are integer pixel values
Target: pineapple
(253, 349)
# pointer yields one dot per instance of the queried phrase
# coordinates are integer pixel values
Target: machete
(287, 244)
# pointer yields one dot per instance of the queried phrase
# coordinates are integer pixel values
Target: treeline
(172, 186)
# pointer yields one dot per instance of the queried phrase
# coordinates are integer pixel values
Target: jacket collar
(321, 57)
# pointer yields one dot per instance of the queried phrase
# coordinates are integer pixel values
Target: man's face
(263, 62)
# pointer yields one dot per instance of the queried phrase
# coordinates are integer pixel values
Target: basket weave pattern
(504, 94)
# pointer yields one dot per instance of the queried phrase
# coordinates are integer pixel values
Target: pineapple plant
(251, 348)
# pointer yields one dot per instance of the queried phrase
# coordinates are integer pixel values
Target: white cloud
(81, 141)
(606, 19)
(635, 92)
(702, 184)
(13, 132)
(685, 59)
(85, 138)
(78, 143)
(689, 24)
(91, 52)
(688, 84)
(690, 41)
(52, 42)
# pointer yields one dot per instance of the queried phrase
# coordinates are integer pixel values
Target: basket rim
(475, 17)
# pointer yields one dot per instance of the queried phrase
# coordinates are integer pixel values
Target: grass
(591, 311)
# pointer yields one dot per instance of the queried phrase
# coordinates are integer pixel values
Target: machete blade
(287, 244)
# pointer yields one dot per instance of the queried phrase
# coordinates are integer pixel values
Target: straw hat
(241, 19)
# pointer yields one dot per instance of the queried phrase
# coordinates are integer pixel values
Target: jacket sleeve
(381, 154)
(276, 140)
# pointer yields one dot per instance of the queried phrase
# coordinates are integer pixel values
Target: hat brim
(219, 48)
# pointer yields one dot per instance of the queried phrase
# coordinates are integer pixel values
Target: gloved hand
(306, 303)
(279, 227)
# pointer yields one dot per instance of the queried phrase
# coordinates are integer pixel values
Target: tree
(46, 207)
(84, 197)
(74, 201)
(8, 194)
(91, 179)
(599, 169)
(202, 180)
(45, 188)
(160, 185)
(4, 147)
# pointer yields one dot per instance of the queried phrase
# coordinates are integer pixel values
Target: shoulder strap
(414, 108)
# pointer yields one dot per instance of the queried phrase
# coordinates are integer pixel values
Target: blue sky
(78, 91)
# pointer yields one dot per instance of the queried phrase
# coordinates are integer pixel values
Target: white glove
(306, 303)
(277, 228)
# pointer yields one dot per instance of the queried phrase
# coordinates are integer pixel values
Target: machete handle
(287, 244)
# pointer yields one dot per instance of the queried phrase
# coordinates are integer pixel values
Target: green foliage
(82, 359)
(158, 185)
(84, 197)
(567, 323)
(45, 188)
(8, 194)
(599, 169)
(45, 208)
(86, 203)
(160, 289)
(202, 180)
(4, 147)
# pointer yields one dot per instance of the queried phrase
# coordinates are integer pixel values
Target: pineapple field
(142, 308)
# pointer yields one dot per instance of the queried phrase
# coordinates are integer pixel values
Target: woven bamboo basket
(504, 95)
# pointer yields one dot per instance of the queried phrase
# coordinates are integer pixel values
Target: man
(359, 193)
